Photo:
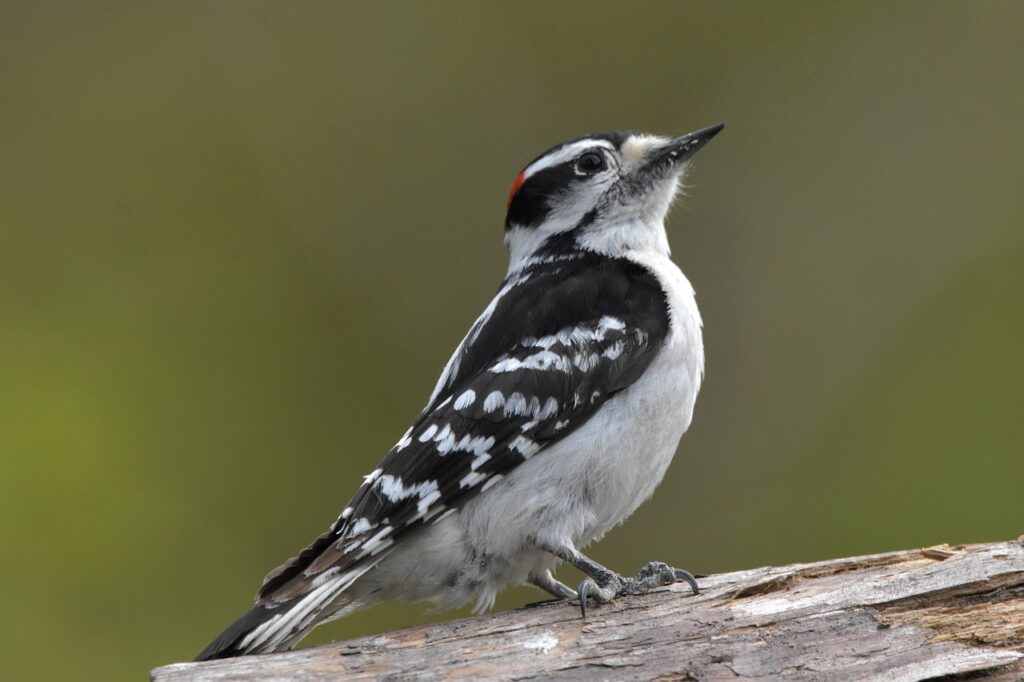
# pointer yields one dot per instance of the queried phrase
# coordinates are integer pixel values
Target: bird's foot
(612, 585)
(659, 574)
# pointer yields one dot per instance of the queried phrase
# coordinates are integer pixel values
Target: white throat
(621, 238)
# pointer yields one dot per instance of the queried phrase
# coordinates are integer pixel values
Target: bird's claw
(654, 574)
(601, 594)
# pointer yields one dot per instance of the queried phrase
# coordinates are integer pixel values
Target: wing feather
(563, 337)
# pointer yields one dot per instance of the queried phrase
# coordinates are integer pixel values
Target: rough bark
(912, 615)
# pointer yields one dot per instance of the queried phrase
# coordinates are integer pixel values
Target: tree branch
(899, 616)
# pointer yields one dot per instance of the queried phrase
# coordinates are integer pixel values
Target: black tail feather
(228, 642)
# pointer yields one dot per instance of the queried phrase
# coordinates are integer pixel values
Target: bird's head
(608, 192)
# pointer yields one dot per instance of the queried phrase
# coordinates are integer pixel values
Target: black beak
(679, 150)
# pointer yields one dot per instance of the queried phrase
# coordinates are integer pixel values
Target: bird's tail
(269, 627)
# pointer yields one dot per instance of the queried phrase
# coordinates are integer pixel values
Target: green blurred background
(239, 240)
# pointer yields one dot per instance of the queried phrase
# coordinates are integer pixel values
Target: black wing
(564, 336)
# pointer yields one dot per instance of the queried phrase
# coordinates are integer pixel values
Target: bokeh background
(239, 240)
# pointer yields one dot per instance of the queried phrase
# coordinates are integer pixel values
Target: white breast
(685, 317)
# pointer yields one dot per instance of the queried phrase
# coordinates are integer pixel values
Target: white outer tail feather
(286, 628)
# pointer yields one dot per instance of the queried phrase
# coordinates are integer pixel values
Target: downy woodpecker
(555, 418)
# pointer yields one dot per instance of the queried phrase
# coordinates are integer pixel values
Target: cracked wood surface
(912, 615)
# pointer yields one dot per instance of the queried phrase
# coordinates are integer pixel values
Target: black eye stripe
(529, 204)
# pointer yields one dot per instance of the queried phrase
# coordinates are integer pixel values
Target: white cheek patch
(570, 208)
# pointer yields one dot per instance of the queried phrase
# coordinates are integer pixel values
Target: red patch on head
(516, 184)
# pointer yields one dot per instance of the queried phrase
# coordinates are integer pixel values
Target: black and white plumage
(556, 416)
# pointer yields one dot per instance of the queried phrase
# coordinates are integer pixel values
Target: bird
(556, 416)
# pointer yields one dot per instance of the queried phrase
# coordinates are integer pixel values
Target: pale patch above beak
(637, 147)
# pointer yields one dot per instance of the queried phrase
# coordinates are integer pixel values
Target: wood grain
(908, 615)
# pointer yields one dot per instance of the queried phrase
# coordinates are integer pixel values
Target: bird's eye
(590, 162)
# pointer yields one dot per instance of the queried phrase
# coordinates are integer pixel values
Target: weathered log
(909, 615)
